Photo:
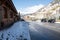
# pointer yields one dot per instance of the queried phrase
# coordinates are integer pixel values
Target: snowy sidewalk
(19, 31)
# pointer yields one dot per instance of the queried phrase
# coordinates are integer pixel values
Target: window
(5, 13)
(11, 15)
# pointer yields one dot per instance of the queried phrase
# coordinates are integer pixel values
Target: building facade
(8, 13)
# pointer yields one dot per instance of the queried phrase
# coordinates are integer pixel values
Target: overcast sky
(29, 6)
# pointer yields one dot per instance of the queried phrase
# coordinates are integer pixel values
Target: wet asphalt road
(38, 32)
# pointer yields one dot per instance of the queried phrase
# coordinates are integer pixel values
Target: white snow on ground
(19, 31)
(57, 22)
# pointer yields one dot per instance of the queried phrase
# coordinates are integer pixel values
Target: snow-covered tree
(56, 1)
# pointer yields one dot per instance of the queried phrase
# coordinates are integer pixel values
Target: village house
(8, 13)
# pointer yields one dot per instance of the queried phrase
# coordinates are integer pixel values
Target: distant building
(8, 13)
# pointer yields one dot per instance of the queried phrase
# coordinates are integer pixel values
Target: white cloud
(31, 9)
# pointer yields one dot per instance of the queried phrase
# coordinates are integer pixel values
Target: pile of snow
(19, 31)
(57, 22)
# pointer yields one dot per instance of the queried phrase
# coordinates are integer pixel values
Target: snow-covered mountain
(52, 10)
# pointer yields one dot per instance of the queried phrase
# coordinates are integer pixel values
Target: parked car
(51, 20)
(22, 20)
(44, 20)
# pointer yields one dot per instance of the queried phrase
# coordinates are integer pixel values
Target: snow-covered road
(19, 31)
(44, 31)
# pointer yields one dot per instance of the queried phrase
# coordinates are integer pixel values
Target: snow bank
(19, 31)
(57, 22)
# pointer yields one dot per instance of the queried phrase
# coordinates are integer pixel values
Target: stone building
(8, 13)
